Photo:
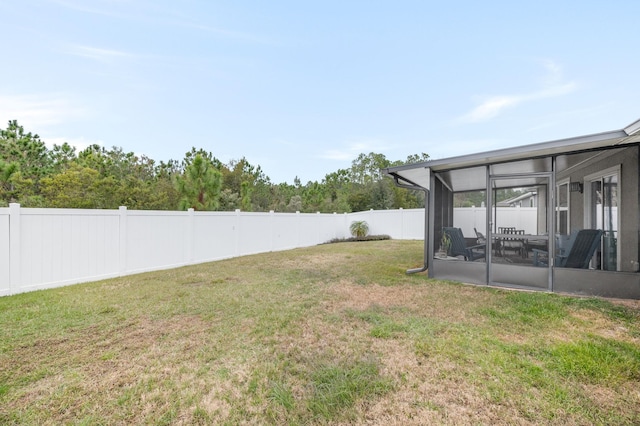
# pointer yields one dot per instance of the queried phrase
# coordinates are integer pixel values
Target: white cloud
(493, 106)
(41, 114)
(228, 34)
(155, 13)
(37, 111)
(490, 108)
(95, 7)
(97, 54)
(554, 69)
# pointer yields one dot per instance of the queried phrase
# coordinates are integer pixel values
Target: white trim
(633, 128)
(611, 171)
(604, 173)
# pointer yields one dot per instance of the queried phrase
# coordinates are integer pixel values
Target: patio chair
(513, 243)
(582, 245)
(481, 240)
(459, 245)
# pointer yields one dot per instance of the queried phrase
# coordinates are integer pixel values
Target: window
(562, 208)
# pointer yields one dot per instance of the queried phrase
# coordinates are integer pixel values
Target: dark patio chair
(459, 245)
(582, 245)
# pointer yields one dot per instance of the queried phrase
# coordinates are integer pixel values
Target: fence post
(122, 261)
(15, 276)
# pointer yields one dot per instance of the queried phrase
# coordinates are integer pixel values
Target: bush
(359, 228)
(367, 238)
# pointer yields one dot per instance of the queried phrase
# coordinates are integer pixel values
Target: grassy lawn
(333, 334)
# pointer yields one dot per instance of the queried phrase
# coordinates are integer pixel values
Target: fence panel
(309, 229)
(398, 224)
(412, 224)
(5, 253)
(387, 222)
(156, 240)
(66, 246)
(215, 236)
(331, 227)
(519, 217)
(468, 218)
(284, 230)
(254, 233)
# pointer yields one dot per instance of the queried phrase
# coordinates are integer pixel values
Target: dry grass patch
(333, 334)
(603, 325)
(432, 301)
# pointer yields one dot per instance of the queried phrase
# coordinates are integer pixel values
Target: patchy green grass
(333, 334)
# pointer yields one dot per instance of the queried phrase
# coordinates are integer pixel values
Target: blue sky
(302, 87)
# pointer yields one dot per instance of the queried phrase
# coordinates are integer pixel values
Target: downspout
(413, 187)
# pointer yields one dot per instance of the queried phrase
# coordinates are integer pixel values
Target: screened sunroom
(556, 216)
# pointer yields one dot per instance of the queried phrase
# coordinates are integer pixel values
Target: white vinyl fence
(467, 218)
(47, 248)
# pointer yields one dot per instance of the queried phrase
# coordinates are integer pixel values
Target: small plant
(445, 243)
(359, 228)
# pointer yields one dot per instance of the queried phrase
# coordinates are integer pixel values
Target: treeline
(35, 176)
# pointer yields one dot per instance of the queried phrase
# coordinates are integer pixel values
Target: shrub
(352, 239)
(359, 228)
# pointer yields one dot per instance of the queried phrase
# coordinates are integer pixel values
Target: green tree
(367, 168)
(245, 195)
(382, 195)
(191, 155)
(7, 172)
(250, 183)
(359, 198)
(416, 158)
(295, 204)
(313, 196)
(280, 195)
(166, 196)
(62, 156)
(32, 157)
(229, 200)
(80, 187)
(199, 186)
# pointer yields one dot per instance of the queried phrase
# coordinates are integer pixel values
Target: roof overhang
(418, 174)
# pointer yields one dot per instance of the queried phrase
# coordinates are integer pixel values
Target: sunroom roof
(466, 172)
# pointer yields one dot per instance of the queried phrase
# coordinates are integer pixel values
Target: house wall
(627, 159)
